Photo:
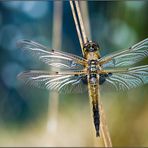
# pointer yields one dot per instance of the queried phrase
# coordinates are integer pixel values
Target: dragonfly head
(91, 47)
(91, 50)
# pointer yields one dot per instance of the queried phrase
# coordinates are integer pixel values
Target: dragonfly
(87, 73)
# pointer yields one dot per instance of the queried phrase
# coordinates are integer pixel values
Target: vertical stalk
(56, 44)
(104, 128)
(81, 22)
(77, 25)
(81, 30)
(85, 16)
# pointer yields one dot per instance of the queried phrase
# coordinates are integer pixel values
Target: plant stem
(77, 25)
(85, 15)
(56, 44)
(81, 22)
(83, 39)
(104, 129)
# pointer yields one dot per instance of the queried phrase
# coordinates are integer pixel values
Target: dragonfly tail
(96, 117)
(97, 134)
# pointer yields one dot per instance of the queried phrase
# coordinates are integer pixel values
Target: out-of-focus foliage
(24, 111)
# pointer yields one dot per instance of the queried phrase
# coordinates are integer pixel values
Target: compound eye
(86, 48)
(93, 46)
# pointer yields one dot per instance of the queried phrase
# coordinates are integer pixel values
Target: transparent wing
(129, 78)
(126, 57)
(66, 82)
(52, 58)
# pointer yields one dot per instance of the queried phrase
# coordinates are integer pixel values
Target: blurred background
(24, 112)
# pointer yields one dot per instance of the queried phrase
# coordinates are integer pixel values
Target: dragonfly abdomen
(93, 84)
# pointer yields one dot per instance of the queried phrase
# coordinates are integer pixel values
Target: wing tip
(21, 74)
(19, 43)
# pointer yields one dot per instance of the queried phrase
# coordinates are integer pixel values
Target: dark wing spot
(130, 48)
(110, 74)
(103, 77)
(76, 75)
(84, 79)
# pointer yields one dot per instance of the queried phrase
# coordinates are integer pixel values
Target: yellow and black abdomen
(93, 86)
(93, 94)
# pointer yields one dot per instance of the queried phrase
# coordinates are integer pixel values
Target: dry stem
(81, 22)
(77, 25)
(56, 43)
(83, 39)
(85, 15)
(104, 129)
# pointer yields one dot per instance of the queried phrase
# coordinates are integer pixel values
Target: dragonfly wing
(61, 82)
(126, 57)
(52, 58)
(130, 78)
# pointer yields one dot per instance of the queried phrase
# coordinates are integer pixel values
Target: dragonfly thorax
(93, 66)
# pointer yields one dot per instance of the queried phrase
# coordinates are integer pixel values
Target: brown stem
(77, 25)
(81, 22)
(83, 39)
(56, 43)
